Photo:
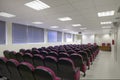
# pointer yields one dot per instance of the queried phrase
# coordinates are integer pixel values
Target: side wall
(118, 45)
(103, 38)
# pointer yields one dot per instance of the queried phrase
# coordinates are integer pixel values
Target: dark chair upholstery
(22, 50)
(28, 58)
(53, 53)
(19, 56)
(85, 58)
(35, 52)
(4, 72)
(67, 69)
(12, 54)
(51, 62)
(44, 73)
(78, 61)
(63, 55)
(44, 53)
(38, 60)
(12, 65)
(6, 54)
(26, 71)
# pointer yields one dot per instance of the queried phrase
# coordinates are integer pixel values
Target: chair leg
(91, 63)
(0, 76)
(88, 67)
(84, 74)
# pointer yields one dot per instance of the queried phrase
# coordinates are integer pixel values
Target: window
(67, 37)
(59, 36)
(19, 33)
(26, 34)
(35, 35)
(52, 36)
(2, 32)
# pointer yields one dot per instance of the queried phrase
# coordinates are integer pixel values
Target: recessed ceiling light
(75, 25)
(83, 28)
(106, 27)
(54, 27)
(108, 22)
(65, 19)
(65, 29)
(37, 5)
(106, 13)
(37, 22)
(4, 14)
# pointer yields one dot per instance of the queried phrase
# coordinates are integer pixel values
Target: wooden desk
(105, 48)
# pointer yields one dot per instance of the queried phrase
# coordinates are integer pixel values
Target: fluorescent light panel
(4, 14)
(106, 27)
(65, 19)
(54, 27)
(83, 28)
(75, 25)
(65, 29)
(37, 5)
(108, 22)
(37, 22)
(106, 13)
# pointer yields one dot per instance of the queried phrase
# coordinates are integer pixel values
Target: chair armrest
(77, 74)
(58, 78)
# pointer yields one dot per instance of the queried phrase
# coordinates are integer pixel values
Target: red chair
(67, 69)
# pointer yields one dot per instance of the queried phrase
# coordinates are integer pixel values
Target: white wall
(103, 38)
(16, 47)
(118, 45)
(88, 38)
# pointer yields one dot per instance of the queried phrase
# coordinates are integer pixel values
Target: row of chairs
(86, 59)
(79, 55)
(14, 70)
(50, 61)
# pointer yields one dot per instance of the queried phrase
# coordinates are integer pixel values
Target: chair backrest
(63, 55)
(66, 68)
(44, 53)
(88, 52)
(26, 71)
(103, 44)
(6, 54)
(71, 51)
(12, 54)
(51, 62)
(35, 52)
(19, 56)
(54, 54)
(84, 55)
(28, 58)
(34, 48)
(38, 60)
(3, 68)
(44, 73)
(28, 51)
(77, 59)
(12, 65)
(109, 44)
(22, 50)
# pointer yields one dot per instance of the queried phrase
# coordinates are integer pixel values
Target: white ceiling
(82, 12)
